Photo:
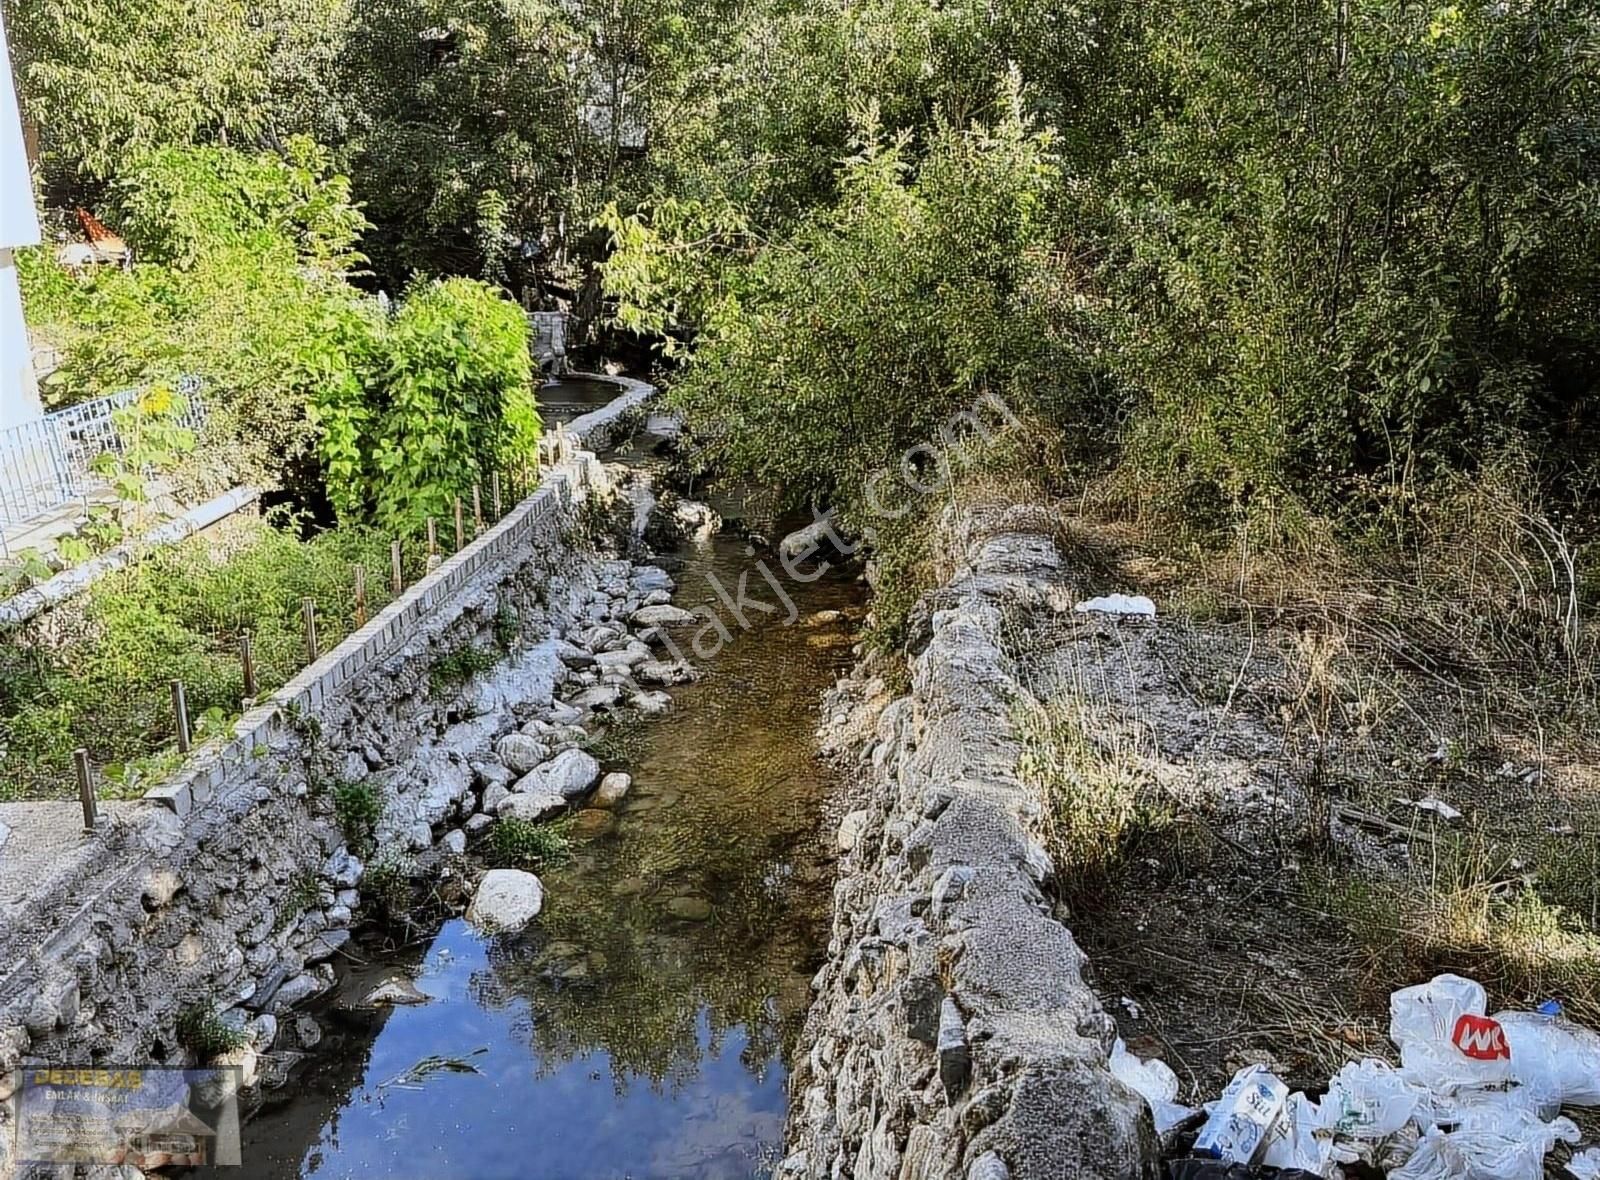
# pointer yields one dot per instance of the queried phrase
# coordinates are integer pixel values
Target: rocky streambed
(638, 1025)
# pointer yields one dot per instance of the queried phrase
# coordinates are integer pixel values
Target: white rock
(532, 806)
(601, 696)
(666, 672)
(455, 841)
(634, 653)
(666, 616)
(613, 787)
(850, 829)
(651, 704)
(506, 901)
(520, 752)
(569, 774)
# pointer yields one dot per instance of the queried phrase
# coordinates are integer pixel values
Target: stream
(639, 1027)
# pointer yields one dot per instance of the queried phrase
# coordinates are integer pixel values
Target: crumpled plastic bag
(1447, 1041)
(1369, 1099)
(1152, 1080)
(1300, 1139)
(1557, 1060)
(1494, 1140)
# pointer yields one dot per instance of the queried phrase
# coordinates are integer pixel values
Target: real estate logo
(145, 1116)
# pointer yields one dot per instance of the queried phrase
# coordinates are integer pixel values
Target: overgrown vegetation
(456, 667)
(102, 679)
(1094, 787)
(1465, 905)
(524, 844)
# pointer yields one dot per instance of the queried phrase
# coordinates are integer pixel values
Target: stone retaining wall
(230, 887)
(952, 1034)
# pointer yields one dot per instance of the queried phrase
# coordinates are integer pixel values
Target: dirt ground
(1279, 767)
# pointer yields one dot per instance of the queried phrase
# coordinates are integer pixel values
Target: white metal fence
(47, 463)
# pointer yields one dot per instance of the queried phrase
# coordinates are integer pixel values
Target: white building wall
(19, 226)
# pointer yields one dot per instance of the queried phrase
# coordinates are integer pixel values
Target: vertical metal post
(308, 610)
(361, 596)
(461, 532)
(397, 577)
(91, 816)
(494, 494)
(180, 710)
(433, 539)
(247, 661)
(477, 510)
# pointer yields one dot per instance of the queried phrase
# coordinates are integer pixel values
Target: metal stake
(433, 539)
(494, 494)
(308, 609)
(397, 578)
(361, 597)
(461, 532)
(477, 510)
(91, 817)
(180, 709)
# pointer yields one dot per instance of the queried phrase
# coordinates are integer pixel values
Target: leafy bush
(453, 402)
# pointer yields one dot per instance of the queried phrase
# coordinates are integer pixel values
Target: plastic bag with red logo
(1557, 1060)
(1446, 1039)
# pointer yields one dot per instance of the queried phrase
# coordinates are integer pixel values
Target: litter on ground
(1475, 1097)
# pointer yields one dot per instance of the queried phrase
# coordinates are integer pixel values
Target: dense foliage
(241, 281)
(1285, 255)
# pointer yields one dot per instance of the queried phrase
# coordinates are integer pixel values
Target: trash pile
(1476, 1097)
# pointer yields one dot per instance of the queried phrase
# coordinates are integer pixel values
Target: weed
(1089, 775)
(457, 667)
(507, 627)
(202, 1031)
(302, 893)
(358, 807)
(524, 844)
(622, 741)
(386, 886)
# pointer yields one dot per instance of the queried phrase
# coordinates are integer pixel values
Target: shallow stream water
(639, 1027)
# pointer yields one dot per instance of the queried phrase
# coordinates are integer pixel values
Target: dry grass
(1426, 660)
(1089, 770)
(1463, 907)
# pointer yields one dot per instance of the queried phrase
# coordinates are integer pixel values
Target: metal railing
(47, 463)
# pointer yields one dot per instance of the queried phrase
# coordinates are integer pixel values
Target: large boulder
(520, 752)
(506, 901)
(569, 774)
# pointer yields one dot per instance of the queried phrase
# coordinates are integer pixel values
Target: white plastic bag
(1446, 1040)
(1557, 1060)
(1586, 1164)
(1301, 1138)
(1369, 1099)
(1495, 1140)
(1154, 1081)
